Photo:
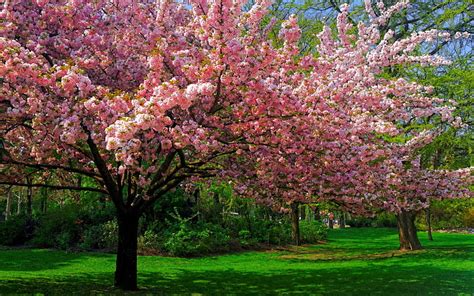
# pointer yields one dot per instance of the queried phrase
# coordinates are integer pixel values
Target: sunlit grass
(352, 262)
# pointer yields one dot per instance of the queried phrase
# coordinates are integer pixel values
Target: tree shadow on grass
(393, 279)
(43, 259)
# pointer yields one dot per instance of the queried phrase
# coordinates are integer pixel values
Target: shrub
(93, 237)
(246, 240)
(16, 231)
(149, 241)
(385, 220)
(109, 235)
(59, 228)
(312, 232)
(469, 218)
(360, 222)
(197, 239)
(279, 233)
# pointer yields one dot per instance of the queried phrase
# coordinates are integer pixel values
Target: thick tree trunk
(407, 231)
(8, 208)
(428, 223)
(126, 264)
(342, 220)
(295, 223)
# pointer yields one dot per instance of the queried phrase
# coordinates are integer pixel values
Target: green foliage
(102, 236)
(197, 239)
(469, 218)
(16, 231)
(149, 241)
(381, 220)
(358, 222)
(449, 214)
(312, 232)
(385, 220)
(59, 228)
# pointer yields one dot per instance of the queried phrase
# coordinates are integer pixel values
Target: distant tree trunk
(330, 223)
(295, 223)
(18, 205)
(29, 198)
(8, 208)
(342, 220)
(126, 263)
(44, 200)
(197, 198)
(317, 215)
(407, 231)
(303, 212)
(428, 223)
(217, 208)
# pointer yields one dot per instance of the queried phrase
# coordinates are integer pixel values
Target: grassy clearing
(353, 262)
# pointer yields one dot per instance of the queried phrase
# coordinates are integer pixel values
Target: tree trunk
(428, 223)
(44, 200)
(126, 264)
(18, 205)
(29, 198)
(342, 220)
(295, 223)
(8, 208)
(407, 231)
(330, 223)
(303, 212)
(317, 215)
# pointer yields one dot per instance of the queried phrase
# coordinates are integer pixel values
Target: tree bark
(317, 215)
(295, 223)
(29, 199)
(342, 220)
(44, 200)
(428, 223)
(18, 205)
(330, 223)
(8, 208)
(303, 212)
(407, 231)
(126, 263)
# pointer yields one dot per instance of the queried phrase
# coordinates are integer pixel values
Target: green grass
(353, 262)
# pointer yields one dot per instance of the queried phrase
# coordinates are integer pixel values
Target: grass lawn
(353, 262)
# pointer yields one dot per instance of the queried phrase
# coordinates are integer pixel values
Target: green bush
(279, 232)
(102, 236)
(59, 228)
(385, 220)
(16, 231)
(312, 232)
(469, 218)
(449, 214)
(360, 222)
(246, 240)
(149, 241)
(110, 235)
(197, 239)
(92, 237)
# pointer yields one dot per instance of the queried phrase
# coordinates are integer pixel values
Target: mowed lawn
(352, 262)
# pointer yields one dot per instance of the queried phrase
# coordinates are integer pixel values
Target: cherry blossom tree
(138, 96)
(406, 187)
(336, 145)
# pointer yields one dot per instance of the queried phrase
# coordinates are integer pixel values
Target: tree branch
(55, 187)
